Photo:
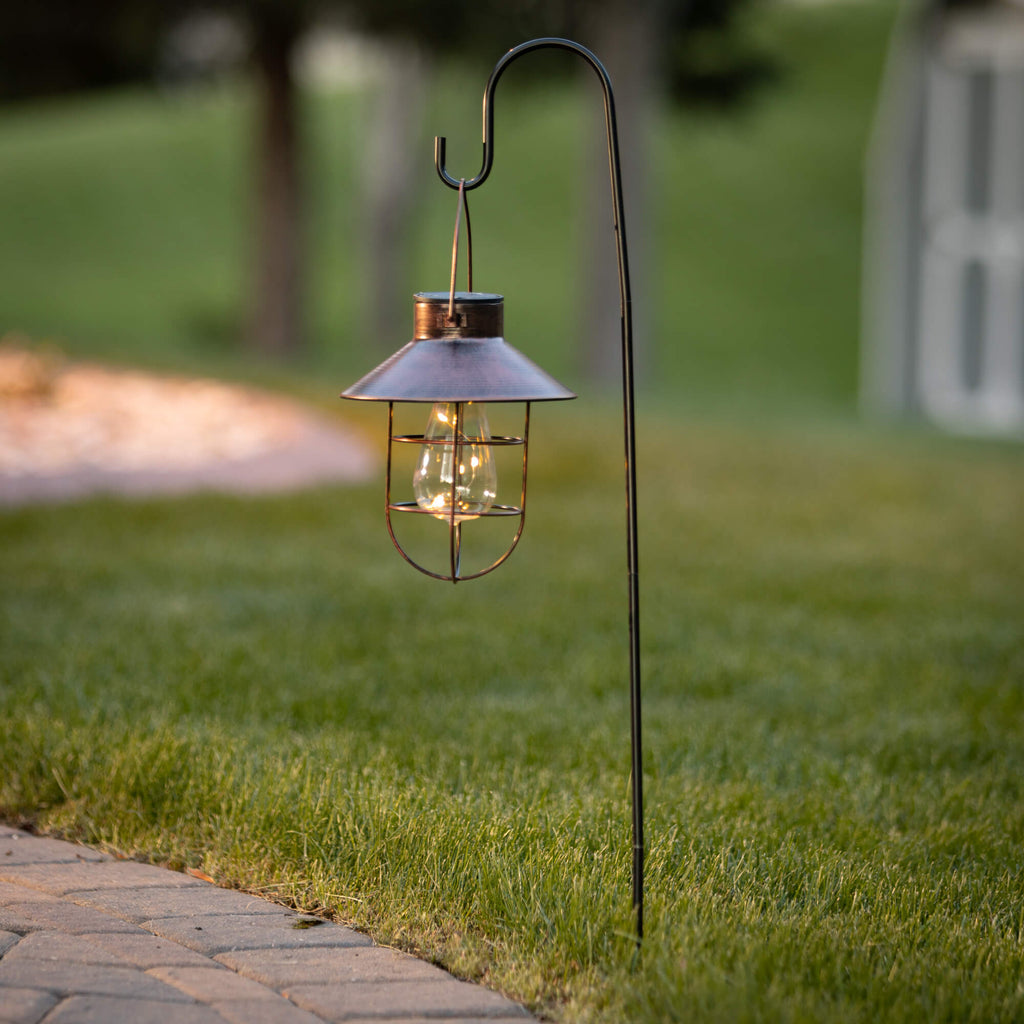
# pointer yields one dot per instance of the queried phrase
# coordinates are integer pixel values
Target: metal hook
(545, 43)
(625, 308)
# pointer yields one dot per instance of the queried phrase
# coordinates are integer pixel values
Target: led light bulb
(472, 473)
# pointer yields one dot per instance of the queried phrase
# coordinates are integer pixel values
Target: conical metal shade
(464, 359)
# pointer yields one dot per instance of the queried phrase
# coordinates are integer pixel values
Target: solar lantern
(456, 364)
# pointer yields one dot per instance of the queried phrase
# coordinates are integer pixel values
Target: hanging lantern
(457, 363)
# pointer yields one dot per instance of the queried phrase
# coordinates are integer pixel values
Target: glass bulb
(475, 478)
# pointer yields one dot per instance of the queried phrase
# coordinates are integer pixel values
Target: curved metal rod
(626, 315)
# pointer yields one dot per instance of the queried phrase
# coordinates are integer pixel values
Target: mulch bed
(68, 430)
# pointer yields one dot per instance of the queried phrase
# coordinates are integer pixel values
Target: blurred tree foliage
(49, 47)
(703, 54)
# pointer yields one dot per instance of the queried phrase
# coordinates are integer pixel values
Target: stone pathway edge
(86, 938)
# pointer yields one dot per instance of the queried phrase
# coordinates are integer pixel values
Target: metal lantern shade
(457, 356)
(462, 359)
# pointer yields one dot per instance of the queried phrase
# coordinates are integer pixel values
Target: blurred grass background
(139, 207)
(832, 613)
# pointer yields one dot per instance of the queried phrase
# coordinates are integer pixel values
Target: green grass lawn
(833, 656)
(832, 616)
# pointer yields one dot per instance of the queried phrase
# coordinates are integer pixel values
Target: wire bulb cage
(455, 481)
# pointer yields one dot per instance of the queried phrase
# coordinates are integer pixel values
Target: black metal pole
(628, 400)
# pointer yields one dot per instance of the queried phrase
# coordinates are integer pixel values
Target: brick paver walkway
(88, 939)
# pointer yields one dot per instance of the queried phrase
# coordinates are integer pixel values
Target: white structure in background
(944, 247)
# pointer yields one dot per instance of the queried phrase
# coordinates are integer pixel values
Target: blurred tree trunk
(277, 326)
(627, 36)
(398, 161)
